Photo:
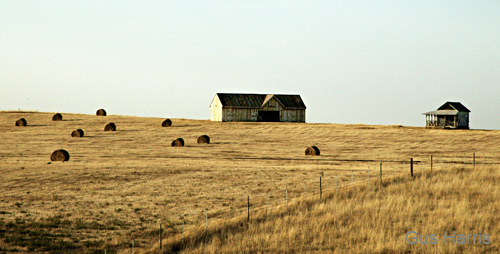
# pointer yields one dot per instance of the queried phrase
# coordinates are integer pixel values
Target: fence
(279, 201)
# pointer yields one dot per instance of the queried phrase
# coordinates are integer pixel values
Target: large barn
(230, 107)
(451, 115)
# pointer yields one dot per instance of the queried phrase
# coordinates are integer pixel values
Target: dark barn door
(269, 116)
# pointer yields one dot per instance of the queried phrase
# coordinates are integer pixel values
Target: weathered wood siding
(228, 114)
(297, 115)
(272, 105)
(286, 115)
(238, 115)
(463, 119)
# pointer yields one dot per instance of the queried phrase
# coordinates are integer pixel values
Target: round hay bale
(77, 133)
(166, 123)
(21, 122)
(59, 155)
(110, 127)
(203, 139)
(57, 117)
(178, 142)
(312, 150)
(101, 112)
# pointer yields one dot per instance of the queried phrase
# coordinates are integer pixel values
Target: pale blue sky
(373, 62)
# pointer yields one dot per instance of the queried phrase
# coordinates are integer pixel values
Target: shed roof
(448, 109)
(259, 100)
(454, 106)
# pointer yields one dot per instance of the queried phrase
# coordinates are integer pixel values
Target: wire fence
(278, 201)
(339, 181)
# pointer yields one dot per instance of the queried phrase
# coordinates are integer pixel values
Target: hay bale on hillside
(178, 142)
(203, 139)
(312, 150)
(57, 117)
(21, 122)
(110, 127)
(166, 123)
(101, 112)
(77, 133)
(59, 155)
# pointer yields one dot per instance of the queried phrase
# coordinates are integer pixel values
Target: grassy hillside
(372, 218)
(119, 186)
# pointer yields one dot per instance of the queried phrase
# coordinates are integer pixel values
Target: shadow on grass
(54, 235)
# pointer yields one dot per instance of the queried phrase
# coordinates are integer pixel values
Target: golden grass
(372, 218)
(118, 186)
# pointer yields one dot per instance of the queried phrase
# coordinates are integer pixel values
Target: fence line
(268, 203)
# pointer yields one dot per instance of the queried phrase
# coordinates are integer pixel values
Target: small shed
(451, 115)
(230, 107)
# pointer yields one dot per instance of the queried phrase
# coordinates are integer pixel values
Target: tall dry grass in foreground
(370, 218)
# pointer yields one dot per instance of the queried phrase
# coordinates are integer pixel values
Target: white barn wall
(216, 110)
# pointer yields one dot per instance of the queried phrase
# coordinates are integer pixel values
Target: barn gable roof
(291, 101)
(241, 100)
(267, 99)
(259, 100)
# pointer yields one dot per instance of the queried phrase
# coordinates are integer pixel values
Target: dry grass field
(373, 218)
(119, 186)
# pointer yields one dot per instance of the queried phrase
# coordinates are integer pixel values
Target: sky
(378, 62)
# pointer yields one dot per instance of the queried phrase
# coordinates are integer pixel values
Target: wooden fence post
(411, 167)
(474, 160)
(267, 198)
(320, 189)
(352, 180)
(380, 172)
(431, 164)
(248, 208)
(182, 231)
(160, 236)
(286, 198)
